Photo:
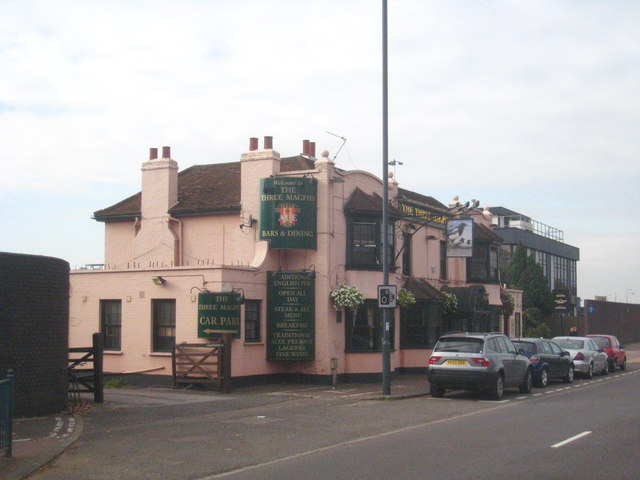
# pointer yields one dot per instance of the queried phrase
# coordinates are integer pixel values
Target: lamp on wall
(249, 223)
(158, 280)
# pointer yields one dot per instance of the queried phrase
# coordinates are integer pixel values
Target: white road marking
(359, 394)
(569, 440)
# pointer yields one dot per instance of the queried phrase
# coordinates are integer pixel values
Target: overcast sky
(530, 105)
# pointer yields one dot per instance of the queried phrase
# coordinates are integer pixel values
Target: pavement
(37, 441)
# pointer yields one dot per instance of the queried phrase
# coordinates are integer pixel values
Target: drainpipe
(180, 248)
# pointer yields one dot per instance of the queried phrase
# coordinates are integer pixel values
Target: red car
(613, 349)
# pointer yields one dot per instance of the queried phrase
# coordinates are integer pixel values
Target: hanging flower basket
(406, 298)
(345, 296)
(508, 304)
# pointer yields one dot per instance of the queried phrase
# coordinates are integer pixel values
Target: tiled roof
(422, 289)
(421, 199)
(361, 203)
(481, 232)
(202, 189)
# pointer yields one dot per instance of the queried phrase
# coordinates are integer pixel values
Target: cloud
(532, 105)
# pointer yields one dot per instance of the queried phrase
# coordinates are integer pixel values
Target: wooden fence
(85, 369)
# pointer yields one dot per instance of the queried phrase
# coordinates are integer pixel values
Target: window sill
(249, 344)
(160, 354)
(112, 352)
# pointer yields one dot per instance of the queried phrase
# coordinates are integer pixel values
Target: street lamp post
(386, 322)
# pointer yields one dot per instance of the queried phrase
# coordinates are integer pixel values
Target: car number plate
(456, 362)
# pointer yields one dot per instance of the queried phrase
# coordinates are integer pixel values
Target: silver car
(587, 356)
(477, 361)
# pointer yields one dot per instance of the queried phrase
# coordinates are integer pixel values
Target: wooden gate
(203, 363)
(85, 370)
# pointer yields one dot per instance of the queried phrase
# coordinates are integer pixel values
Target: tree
(526, 275)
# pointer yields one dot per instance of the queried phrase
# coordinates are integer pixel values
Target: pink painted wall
(213, 252)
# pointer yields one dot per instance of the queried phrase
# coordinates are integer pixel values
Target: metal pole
(386, 342)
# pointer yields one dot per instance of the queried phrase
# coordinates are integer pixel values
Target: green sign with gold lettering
(218, 313)
(291, 315)
(288, 212)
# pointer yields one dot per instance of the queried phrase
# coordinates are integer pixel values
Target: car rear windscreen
(527, 347)
(569, 344)
(602, 342)
(459, 345)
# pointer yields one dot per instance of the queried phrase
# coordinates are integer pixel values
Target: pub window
(111, 323)
(443, 260)
(364, 329)
(414, 328)
(164, 324)
(406, 254)
(365, 244)
(483, 265)
(252, 320)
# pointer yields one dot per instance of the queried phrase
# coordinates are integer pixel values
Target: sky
(530, 105)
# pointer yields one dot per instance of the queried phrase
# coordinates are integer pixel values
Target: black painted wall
(34, 327)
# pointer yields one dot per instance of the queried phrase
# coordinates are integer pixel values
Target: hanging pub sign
(288, 212)
(459, 238)
(290, 315)
(422, 213)
(218, 313)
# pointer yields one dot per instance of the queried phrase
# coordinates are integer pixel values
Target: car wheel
(605, 368)
(544, 378)
(527, 384)
(624, 364)
(612, 366)
(570, 374)
(497, 391)
(589, 373)
(436, 390)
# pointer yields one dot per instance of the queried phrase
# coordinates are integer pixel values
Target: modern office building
(546, 244)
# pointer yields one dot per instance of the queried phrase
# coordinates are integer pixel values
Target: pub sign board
(288, 210)
(561, 301)
(291, 315)
(218, 313)
(460, 238)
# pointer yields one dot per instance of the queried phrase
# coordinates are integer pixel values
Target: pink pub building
(286, 255)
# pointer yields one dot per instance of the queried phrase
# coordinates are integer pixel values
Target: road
(561, 432)
(460, 436)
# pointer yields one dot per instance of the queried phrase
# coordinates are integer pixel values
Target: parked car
(613, 349)
(477, 361)
(548, 360)
(587, 356)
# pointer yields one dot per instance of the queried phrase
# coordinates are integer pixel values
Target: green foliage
(526, 275)
(517, 265)
(542, 330)
(406, 298)
(115, 383)
(450, 302)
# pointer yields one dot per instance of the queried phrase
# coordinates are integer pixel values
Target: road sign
(387, 296)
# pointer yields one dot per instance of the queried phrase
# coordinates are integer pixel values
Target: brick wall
(34, 325)
(613, 318)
